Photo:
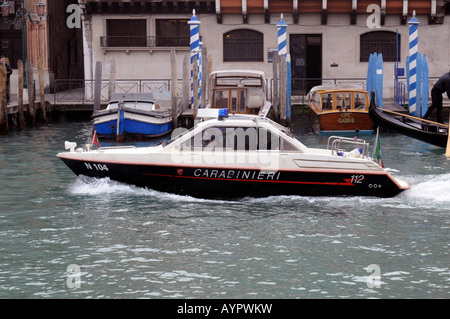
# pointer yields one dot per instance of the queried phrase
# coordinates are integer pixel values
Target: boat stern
(402, 185)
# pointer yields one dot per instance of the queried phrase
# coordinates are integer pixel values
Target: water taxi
(235, 156)
(341, 109)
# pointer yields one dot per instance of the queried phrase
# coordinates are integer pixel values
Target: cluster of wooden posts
(27, 114)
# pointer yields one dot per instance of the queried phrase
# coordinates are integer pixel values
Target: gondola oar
(413, 117)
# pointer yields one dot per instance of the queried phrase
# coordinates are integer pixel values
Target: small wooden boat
(341, 109)
(133, 115)
(428, 131)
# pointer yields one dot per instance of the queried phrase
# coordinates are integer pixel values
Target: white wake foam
(95, 186)
(91, 186)
(435, 188)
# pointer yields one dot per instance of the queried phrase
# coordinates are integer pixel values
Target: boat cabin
(339, 100)
(241, 92)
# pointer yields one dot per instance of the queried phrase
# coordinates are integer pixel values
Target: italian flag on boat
(377, 152)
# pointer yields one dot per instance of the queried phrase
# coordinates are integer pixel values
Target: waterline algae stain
(69, 237)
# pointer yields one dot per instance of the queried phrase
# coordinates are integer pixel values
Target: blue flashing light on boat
(223, 113)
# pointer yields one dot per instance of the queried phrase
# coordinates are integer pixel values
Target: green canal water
(68, 237)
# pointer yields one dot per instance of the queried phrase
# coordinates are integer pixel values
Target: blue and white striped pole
(200, 75)
(413, 51)
(282, 42)
(194, 24)
(282, 50)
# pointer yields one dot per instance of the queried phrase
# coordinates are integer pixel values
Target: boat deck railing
(338, 144)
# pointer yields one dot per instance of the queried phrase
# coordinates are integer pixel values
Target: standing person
(8, 74)
(442, 86)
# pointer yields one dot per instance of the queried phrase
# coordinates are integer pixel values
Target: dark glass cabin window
(172, 33)
(383, 42)
(126, 32)
(243, 45)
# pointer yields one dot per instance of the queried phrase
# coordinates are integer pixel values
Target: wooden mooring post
(41, 92)
(20, 95)
(31, 114)
(205, 75)
(98, 86)
(275, 85)
(185, 90)
(3, 112)
(173, 63)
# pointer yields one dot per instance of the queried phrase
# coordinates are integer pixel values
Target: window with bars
(383, 42)
(172, 32)
(126, 33)
(243, 45)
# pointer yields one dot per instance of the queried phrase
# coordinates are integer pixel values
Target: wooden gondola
(428, 131)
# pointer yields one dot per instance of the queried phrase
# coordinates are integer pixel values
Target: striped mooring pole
(412, 67)
(200, 75)
(282, 26)
(282, 50)
(194, 24)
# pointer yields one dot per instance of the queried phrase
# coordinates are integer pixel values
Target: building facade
(57, 46)
(326, 39)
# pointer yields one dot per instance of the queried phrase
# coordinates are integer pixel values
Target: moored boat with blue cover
(133, 115)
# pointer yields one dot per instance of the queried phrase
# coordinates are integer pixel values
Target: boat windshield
(343, 101)
(238, 139)
(237, 97)
(178, 133)
(327, 101)
(360, 101)
(241, 81)
(138, 105)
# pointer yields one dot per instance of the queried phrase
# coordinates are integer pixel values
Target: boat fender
(356, 152)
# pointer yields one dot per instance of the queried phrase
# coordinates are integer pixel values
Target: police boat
(236, 156)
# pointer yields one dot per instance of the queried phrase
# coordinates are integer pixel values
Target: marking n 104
(98, 167)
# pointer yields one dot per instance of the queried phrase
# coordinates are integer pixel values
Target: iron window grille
(243, 45)
(383, 42)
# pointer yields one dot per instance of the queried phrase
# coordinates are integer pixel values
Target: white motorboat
(238, 156)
